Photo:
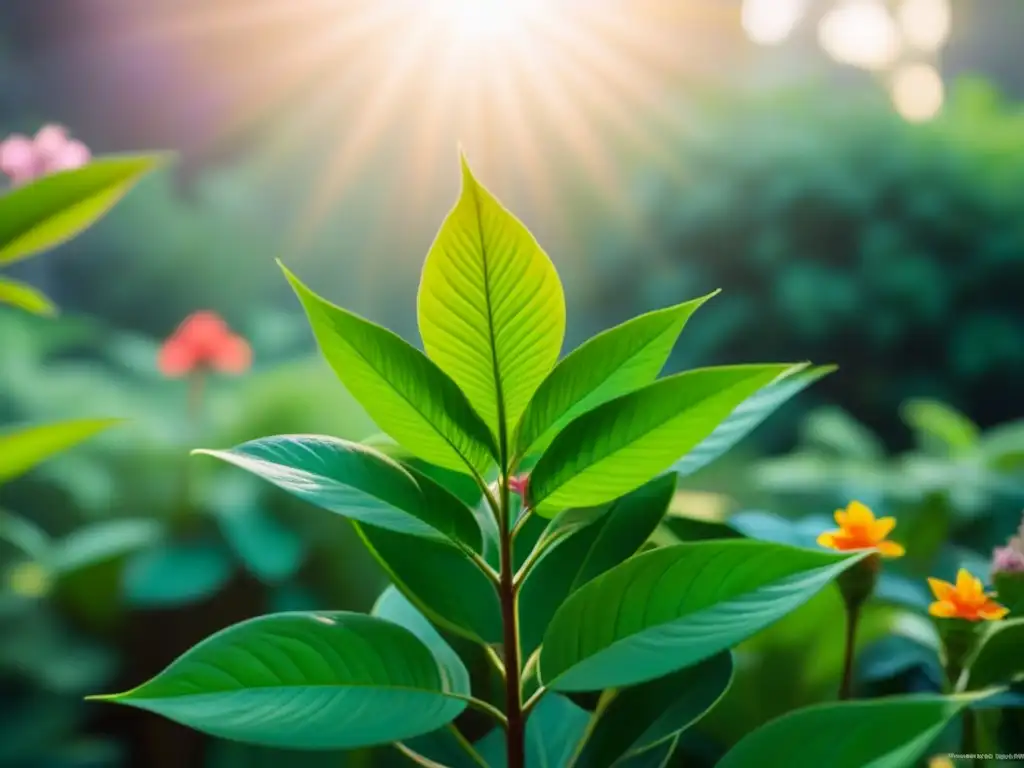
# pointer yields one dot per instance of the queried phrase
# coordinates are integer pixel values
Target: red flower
(519, 484)
(203, 341)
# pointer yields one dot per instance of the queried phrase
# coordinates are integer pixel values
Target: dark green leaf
(610, 364)
(999, 657)
(885, 733)
(491, 307)
(271, 551)
(673, 607)
(587, 553)
(305, 681)
(440, 580)
(402, 390)
(553, 732)
(176, 574)
(747, 416)
(46, 213)
(358, 482)
(624, 443)
(638, 718)
(23, 448)
(655, 757)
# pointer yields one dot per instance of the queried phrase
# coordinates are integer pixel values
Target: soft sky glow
(926, 24)
(770, 22)
(917, 92)
(860, 33)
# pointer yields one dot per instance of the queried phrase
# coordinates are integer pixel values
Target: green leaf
(635, 719)
(440, 580)
(749, 415)
(673, 607)
(941, 426)
(271, 551)
(22, 449)
(25, 297)
(610, 364)
(26, 536)
(655, 757)
(553, 732)
(56, 208)
(402, 390)
(893, 732)
(107, 540)
(176, 574)
(587, 552)
(491, 308)
(358, 482)
(997, 658)
(627, 441)
(310, 681)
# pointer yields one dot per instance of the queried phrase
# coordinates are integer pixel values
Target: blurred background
(849, 172)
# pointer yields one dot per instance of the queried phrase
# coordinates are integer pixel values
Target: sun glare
(484, 23)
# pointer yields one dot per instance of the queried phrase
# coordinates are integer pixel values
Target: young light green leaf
(610, 364)
(749, 415)
(54, 209)
(587, 552)
(620, 445)
(26, 536)
(633, 720)
(425, 570)
(358, 482)
(23, 448)
(104, 541)
(892, 732)
(402, 390)
(310, 681)
(997, 658)
(673, 607)
(23, 296)
(491, 308)
(941, 426)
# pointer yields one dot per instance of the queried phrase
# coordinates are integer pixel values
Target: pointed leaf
(941, 426)
(307, 681)
(22, 449)
(104, 541)
(655, 757)
(749, 415)
(624, 443)
(358, 482)
(997, 658)
(427, 571)
(673, 607)
(26, 536)
(46, 213)
(610, 364)
(588, 552)
(491, 308)
(25, 297)
(893, 732)
(643, 716)
(402, 390)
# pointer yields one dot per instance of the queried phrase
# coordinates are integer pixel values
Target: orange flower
(204, 341)
(964, 600)
(858, 529)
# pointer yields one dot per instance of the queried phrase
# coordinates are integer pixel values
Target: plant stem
(852, 615)
(516, 730)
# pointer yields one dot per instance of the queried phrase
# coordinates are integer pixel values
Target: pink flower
(24, 160)
(1010, 559)
(519, 484)
(203, 341)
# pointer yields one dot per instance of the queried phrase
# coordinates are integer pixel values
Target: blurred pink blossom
(1010, 559)
(25, 159)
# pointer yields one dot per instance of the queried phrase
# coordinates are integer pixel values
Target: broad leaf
(176, 574)
(673, 607)
(635, 719)
(402, 390)
(892, 732)
(749, 415)
(587, 553)
(998, 657)
(307, 681)
(25, 297)
(100, 542)
(358, 482)
(52, 210)
(22, 449)
(491, 308)
(610, 364)
(440, 580)
(624, 443)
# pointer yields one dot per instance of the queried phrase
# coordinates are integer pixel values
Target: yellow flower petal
(890, 549)
(943, 609)
(859, 514)
(841, 519)
(942, 590)
(882, 527)
(828, 539)
(992, 611)
(967, 586)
